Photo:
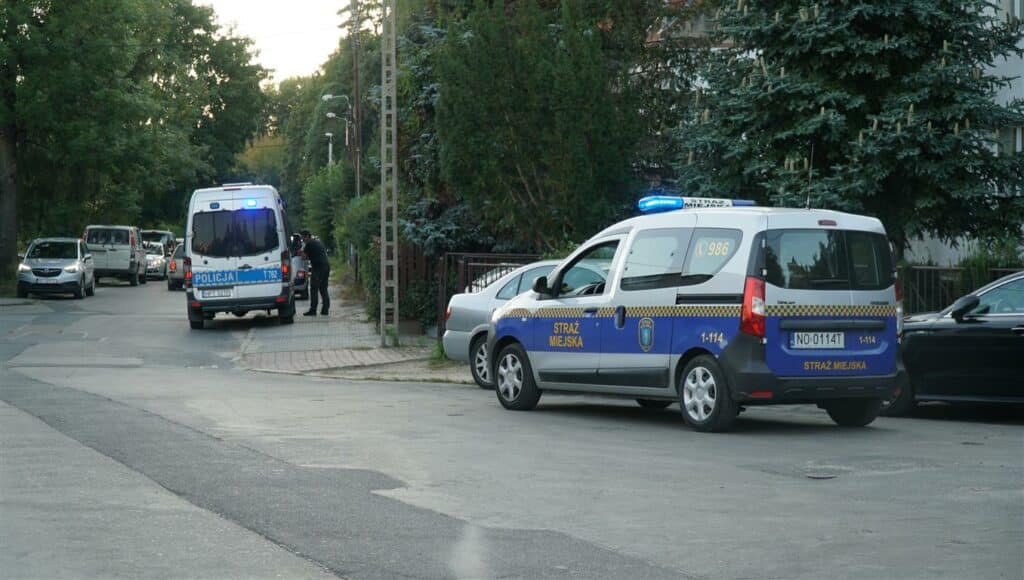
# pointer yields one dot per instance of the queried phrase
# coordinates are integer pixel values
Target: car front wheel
(513, 380)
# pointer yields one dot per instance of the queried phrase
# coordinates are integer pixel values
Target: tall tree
(537, 119)
(884, 108)
(113, 109)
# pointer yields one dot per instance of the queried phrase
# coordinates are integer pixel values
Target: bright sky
(293, 38)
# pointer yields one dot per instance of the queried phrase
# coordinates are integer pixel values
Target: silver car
(57, 266)
(156, 260)
(465, 335)
(176, 268)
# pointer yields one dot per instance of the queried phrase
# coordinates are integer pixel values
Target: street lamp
(335, 116)
(330, 148)
(358, 153)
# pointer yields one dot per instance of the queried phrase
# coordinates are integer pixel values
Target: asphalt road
(131, 446)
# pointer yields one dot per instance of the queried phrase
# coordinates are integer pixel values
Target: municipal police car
(715, 304)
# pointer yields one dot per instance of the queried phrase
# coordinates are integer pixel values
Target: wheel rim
(700, 394)
(480, 363)
(510, 377)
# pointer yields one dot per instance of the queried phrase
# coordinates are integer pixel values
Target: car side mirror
(540, 285)
(963, 305)
(21, 257)
(88, 257)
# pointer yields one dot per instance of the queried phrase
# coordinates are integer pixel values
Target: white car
(156, 260)
(57, 266)
(468, 314)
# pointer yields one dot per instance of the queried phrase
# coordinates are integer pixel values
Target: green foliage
(883, 108)
(359, 224)
(119, 108)
(420, 304)
(537, 121)
(323, 196)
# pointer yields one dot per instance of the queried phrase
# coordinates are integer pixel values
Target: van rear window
(107, 236)
(810, 259)
(244, 232)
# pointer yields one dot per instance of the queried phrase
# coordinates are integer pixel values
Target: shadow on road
(612, 416)
(971, 413)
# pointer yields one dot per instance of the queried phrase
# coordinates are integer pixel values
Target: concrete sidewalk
(344, 345)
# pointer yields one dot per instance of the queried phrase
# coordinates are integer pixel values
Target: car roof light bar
(662, 203)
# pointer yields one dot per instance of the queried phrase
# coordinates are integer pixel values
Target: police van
(715, 304)
(237, 256)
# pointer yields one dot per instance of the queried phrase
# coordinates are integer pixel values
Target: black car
(971, 352)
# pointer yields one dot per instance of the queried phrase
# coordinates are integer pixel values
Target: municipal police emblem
(646, 333)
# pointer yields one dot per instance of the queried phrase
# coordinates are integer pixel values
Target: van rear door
(260, 244)
(214, 265)
(829, 297)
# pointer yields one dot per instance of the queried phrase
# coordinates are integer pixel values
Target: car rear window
(179, 251)
(244, 232)
(107, 236)
(810, 259)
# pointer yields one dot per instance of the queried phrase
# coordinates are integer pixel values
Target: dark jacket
(317, 256)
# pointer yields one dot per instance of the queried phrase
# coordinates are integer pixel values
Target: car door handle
(591, 311)
(1017, 330)
(245, 267)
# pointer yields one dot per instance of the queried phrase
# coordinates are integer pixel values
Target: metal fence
(469, 272)
(931, 288)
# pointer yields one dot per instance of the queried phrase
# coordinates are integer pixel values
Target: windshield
(53, 251)
(155, 237)
(155, 250)
(107, 236)
(244, 232)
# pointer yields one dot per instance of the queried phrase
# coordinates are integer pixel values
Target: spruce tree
(881, 107)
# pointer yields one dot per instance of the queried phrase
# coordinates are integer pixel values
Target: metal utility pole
(356, 22)
(389, 316)
(330, 148)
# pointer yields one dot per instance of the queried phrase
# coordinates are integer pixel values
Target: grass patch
(437, 358)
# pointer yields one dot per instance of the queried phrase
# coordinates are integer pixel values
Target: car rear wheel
(133, 280)
(143, 278)
(480, 363)
(513, 380)
(854, 412)
(653, 403)
(704, 398)
(22, 293)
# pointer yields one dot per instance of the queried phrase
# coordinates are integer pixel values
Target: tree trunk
(8, 201)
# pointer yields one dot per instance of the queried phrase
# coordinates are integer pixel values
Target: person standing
(320, 272)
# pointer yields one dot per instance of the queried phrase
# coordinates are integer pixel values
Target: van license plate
(818, 340)
(221, 293)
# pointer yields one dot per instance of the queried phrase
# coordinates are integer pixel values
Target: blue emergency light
(661, 203)
(250, 203)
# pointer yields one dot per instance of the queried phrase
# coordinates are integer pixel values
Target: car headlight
(24, 268)
(71, 269)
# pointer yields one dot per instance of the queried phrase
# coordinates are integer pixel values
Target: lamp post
(330, 148)
(357, 152)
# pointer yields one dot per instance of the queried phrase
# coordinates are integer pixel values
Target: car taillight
(286, 265)
(174, 266)
(752, 314)
(187, 265)
(447, 314)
